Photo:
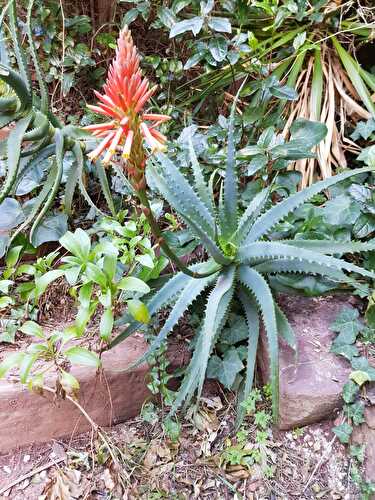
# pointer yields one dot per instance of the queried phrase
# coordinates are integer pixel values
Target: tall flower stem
(157, 232)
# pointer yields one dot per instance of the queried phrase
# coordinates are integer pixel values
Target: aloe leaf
(47, 186)
(35, 160)
(189, 294)
(20, 55)
(259, 288)
(59, 139)
(251, 213)
(284, 328)
(278, 212)
(41, 80)
(330, 247)
(200, 184)
(252, 320)
(353, 71)
(40, 128)
(229, 216)
(215, 315)
(4, 11)
(105, 186)
(164, 297)
(272, 250)
(70, 187)
(190, 207)
(295, 266)
(18, 85)
(14, 151)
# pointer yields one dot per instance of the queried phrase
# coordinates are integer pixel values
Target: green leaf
(218, 46)
(257, 285)
(26, 365)
(279, 211)
(42, 282)
(4, 285)
(106, 324)
(10, 362)
(347, 325)
(225, 370)
(139, 311)
(355, 412)
(348, 351)
(50, 229)
(5, 301)
(132, 284)
(252, 320)
(343, 432)
(33, 329)
(285, 330)
(215, 315)
(219, 24)
(193, 24)
(235, 332)
(353, 71)
(13, 255)
(360, 377)
(350, 391)
(77, 243)
(81, 356)
(94, 273)
(68, 382)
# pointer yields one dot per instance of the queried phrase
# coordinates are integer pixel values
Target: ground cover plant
(185, 204)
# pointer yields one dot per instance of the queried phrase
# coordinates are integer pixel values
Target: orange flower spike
(125, 93)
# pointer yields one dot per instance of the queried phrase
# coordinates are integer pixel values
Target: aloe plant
(38, 134)
(241, 261)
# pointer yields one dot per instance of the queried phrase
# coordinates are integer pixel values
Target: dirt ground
(138, 460)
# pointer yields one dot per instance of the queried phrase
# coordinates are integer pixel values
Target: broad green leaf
(218, 46)
(26, 365)
(350, 391)
(94, 273)
(10, 362)
(360, 377)
(33, 329)
(13, 255)
(106, 324)
(343, 432)
(355, 412)
(42, 282)
(220, 24)
(132, 284)
(139, 311)
(81, 356)
(4, 285)
(347, 325)
(193, 24)
(69, 383)
(77, 243)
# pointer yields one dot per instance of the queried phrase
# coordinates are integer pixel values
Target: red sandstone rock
(311, 384)
(27, 418)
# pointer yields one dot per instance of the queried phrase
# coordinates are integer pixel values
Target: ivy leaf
(355, 413)
(225, 370)
(347, 325)
(236, 332)
(346, 350)
(362, 364)
(343, 432)
(360, 377)
(350, 391)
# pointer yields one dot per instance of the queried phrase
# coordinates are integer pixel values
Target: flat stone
(311, 381)
(109, 397)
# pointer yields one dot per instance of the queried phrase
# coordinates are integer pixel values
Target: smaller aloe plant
(241, 263)
(38, 134)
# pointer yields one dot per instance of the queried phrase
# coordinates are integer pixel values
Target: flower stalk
(126, 93)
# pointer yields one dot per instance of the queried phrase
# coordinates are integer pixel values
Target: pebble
(26, 458)
(7, 469)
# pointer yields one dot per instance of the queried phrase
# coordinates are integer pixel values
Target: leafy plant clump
(241, 266)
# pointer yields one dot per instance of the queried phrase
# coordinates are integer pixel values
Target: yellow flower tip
(126, 156)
